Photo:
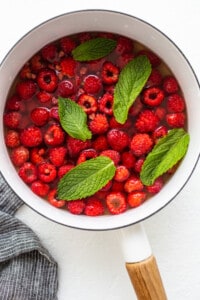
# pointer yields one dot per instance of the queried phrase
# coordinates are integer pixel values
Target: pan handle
(141, 264)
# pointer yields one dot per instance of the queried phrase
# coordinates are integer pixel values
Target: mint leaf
(73, 119)
(86, 178)
(93, 49)
(165, 154)
(131, 82)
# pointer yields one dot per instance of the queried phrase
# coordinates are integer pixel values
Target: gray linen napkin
(27, 270)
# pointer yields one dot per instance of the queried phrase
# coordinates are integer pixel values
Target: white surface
(91, 264)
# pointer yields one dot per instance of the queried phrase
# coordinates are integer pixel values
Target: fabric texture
(27, 270)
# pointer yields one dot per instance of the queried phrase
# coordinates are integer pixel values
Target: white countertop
(91, 264)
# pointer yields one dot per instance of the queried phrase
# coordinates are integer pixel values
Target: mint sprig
(94, 49)
(73, 119)
(165, 154)
(86, 178)
(131, 82)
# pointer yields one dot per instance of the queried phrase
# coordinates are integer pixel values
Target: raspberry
(100, 143)
(67, 44)
(40, 116)
(135, 199)
(153, 58)
(99, 124)
(65, 88)
(106, 104)
(19, 156)
(75, 146)
(54, 201)
(92, 84)
(141, 144)
(124, 58)
(147, 121)
(124, 45)
(40, 188)
(154, 79)
(12, 139)
(117, 186)
(170, 84)
(54, 135)
(46, 172)
(15, 103)
(156, 186)
(31, 136)
(53, 113)
(94, 207)
(37, 155)
(64, 170)
(43, 96)
(86, 154)
(138, 164)
(57, 156)
(36, 63)
(28, 172)
(175, 103)
(159, 132)
(121, 174)
(160, 112)
(132, 184)
(12, 119)
(153, 96)
(109, 73)
(88, 103)
(176, 120)
(128, 159)
(26, 89)
(68, 66)
(112, 154)
(115, 125)
(116, 202)
(76, 207)
(136, 108)
(47, 80)
(106, 187)
(49, 52)
(118, 139)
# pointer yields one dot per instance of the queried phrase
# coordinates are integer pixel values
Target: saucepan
(140, 262)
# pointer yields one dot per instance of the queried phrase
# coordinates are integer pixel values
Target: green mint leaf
(165, 154)
(86, 178)
(94, 49)
(73, 119)
(131, 82)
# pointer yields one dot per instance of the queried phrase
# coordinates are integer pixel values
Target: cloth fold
(27, 270)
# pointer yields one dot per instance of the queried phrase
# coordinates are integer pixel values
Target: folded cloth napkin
(27, 270)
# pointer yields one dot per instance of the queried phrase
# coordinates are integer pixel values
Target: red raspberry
(136, 108)
(43, 96)
(75, 146)
(100, 143)
(65, 88)
(153, 96)
(15, 103)
(106, 187)
(124, 45)
(124, 58)
(109, 73)
(40, 116)
(112, 154)
(160, 112)
(54, 135)
(175, 103)
(53, 199)
(19, 156)
(141, 144)
(121, 174)
(57, 155)
(117, 186)
(31, 136)
(88, 103)
(116, 203)
(49, 52)
(26, 89)
(94, 207)
(159, 132)
(37, 155)
(86, 154)
(47, 80)
(68, 66)
(153, 58)
(99, 124)
(156, 186)
(53, 113)
(95, 65)
(40, 188)
(118, 139)
(92, 84)
(135, 199)
(106, 104)
(170, 84)
(128, 159)
(12, 119)
(138, 164)
(67, 44)
(76, 207)
(28, 172)
(147, 121)
(132, 184)
(115, 125)
(36, 63)
(154, 79)
(12, 139)
(46, 172)
(176, 120)
(64, 170)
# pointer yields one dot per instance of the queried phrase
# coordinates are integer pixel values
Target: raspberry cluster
(43, 152)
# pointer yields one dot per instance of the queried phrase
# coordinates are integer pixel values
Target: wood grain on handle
(146, 280)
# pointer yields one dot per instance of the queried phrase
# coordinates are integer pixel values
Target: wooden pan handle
(146, 280)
